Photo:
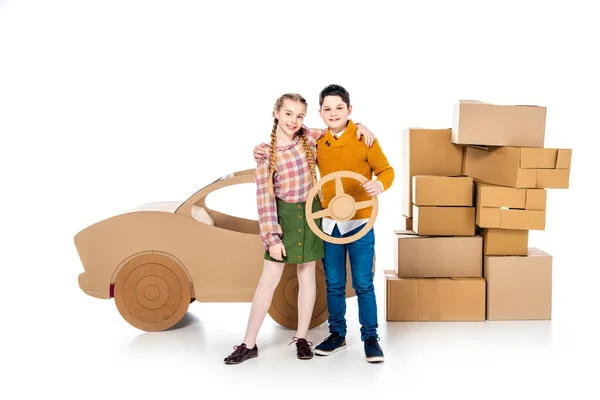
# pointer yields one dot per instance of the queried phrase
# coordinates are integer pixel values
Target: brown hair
(273, 150)
(334, 90)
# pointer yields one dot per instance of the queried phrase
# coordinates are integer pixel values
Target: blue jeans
(362, 253)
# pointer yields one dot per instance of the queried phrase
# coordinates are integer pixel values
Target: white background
(107, 105)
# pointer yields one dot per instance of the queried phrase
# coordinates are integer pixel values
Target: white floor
(63, 342)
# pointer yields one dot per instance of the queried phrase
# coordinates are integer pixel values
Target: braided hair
(301, 133)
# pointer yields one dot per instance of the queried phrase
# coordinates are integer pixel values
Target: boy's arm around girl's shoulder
(379, 165)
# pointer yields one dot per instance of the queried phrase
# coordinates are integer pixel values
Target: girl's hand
(364, 131)
(276, 251)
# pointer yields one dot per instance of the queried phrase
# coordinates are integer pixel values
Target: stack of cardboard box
(438, 263)
(502, 152)
(505, 154)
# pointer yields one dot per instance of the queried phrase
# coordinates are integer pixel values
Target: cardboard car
(158, 258)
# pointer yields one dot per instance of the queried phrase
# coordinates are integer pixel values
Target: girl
(283, 181)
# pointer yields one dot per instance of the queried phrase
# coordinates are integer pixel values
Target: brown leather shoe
(303, 348)
(241, 353)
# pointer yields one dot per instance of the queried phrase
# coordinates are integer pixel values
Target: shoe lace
(238, 349)
(300, 341)
(372, 341)
(331, 338)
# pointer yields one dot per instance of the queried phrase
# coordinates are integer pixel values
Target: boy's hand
(277, 250)
(364, 131)
(260, 152)
(373, 188)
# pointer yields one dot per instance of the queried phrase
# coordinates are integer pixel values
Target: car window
(236, 200)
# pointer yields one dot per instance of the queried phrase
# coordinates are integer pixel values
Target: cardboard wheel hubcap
(152, 292)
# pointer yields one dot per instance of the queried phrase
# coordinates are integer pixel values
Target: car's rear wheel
(284, 307)
(152, 292)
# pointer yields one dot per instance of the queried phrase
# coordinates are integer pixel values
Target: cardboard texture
(519, 167)
(444, 221)
(427, 152)
(430, 257)
(479, 123)
(406, 223)
(400, 299)
(434, 299)
(435, 190)
(510, 208)
(158, 257)
(519, 288)
(505, 242)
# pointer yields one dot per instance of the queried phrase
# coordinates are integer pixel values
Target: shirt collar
(289, 146)
(337, 135)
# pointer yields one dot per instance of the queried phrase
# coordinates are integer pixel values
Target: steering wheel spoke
(320, 214)
(363, 204)
(339, 188)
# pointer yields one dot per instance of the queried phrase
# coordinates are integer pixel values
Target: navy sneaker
(333, 343)
(373, 351)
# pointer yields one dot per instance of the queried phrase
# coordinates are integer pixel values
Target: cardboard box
(401, 298)
(427, 152)
(434, 299)
(480, 123)
(505, 242)
(444, 221)
(517, 167)
(510, 208)
(406, 223)
(437, 257)
(519, 287)
(437, 190)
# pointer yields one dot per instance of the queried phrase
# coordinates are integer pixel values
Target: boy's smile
(335, 113)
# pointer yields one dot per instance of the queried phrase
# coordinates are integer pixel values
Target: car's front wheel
(152, 292)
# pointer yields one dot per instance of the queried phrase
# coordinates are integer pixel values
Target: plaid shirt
(291, 183)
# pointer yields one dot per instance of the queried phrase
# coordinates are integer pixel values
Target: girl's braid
(273, 156)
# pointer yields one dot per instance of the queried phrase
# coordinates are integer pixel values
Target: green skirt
(301, 244)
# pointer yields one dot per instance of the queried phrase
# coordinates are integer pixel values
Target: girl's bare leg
(263, 296)
(307, 292)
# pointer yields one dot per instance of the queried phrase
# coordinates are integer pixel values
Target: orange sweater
(350, 154)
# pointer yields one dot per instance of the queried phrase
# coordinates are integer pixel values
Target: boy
(340, 150)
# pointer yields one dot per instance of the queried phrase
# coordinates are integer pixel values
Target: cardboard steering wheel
(342, 207)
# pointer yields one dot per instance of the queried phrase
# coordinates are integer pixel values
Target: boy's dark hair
(334, 90)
